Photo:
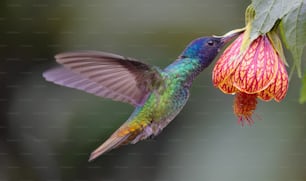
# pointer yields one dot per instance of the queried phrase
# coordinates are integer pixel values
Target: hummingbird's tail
(124, 135)
(131, 132)
(109, 144)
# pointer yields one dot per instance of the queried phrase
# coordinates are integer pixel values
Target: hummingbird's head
(205, 49)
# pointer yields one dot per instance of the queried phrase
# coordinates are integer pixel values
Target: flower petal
(267, 95)
(281, 81)
(257, 68)
(227, 88)
(279, 87)
(227, 62)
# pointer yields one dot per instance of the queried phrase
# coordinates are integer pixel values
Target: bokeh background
(47, 132)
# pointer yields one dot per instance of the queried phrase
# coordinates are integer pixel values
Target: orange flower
(254, 71)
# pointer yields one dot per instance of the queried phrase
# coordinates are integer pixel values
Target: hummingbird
(158, 95)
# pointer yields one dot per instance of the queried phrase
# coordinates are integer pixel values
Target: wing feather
(104, 74)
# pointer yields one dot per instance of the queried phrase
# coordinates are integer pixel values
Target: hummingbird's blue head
(205, 49)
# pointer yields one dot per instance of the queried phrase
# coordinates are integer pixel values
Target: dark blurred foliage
(47, 132)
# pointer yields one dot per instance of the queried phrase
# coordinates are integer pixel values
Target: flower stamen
(244, 106)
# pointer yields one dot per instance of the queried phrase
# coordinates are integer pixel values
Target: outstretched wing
(106, 75)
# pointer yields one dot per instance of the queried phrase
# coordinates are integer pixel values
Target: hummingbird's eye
(210, 43)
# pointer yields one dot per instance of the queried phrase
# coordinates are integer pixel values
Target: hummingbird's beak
(229, 35)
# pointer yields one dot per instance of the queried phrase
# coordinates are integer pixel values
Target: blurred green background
(47, 132)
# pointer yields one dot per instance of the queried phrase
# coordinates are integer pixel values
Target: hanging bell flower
(252, 70)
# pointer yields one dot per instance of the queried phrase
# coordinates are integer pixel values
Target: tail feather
(108, 145)
(123, 136)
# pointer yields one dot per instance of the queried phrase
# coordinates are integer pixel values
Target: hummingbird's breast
(162, 106)
(161, 109)
(178, 78)
(184, 71)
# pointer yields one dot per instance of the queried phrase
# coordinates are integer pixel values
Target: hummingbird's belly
(159, 109)
(166, 108)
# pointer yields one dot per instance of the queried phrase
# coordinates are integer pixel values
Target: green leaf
(303, 90)
(293, 28)
(267, 13)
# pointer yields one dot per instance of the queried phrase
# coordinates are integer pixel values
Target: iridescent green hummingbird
(158, 95)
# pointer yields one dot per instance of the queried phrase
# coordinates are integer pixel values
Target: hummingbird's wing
(105, 75)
